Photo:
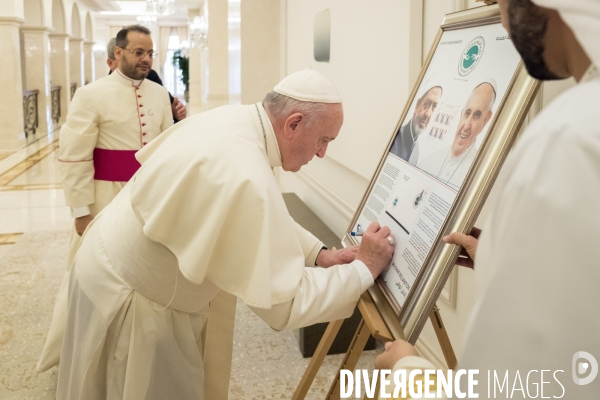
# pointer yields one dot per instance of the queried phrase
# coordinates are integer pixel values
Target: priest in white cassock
(108, 121)
(203, 218)
(537, 260)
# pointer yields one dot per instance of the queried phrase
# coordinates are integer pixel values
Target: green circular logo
(471, 56)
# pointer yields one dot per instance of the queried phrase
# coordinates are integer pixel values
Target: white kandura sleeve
(409, 364)
(323, 295)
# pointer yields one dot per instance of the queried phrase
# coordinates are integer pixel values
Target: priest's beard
(130, 69)
(527, 29)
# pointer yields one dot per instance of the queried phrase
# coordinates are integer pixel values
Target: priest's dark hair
(122, 35)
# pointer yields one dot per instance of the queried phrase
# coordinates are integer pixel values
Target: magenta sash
(115, 165)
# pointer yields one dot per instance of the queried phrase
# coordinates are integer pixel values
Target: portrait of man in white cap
(427, 102)
(202, 224)
(452, 164)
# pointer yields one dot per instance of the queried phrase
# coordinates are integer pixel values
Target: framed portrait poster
(442, 159)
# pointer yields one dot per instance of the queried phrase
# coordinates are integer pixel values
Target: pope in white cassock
(203, 217)
(108, 121)
(537, 261)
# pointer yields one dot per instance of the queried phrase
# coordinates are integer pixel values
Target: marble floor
(34, 230)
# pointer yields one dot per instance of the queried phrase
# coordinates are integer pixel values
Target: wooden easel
(371, 324)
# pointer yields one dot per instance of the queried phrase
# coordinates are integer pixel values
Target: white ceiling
(127, 10)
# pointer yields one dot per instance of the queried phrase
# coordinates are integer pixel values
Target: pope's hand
(376, 248)
(394, 351)
(328, 258)
(469, 246)
(81, 223)
(179, 110)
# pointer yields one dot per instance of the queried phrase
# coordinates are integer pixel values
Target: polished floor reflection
(34, 232)
(31, 196)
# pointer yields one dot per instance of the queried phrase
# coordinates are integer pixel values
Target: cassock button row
(142, 115)
(144, 134)
(139, 95)
(144, 143)
(143, 124)
(141, 105)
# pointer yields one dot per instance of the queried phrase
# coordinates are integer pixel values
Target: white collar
(119, 76)
(272, 151)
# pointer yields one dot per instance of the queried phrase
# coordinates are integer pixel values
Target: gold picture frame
(407, 321)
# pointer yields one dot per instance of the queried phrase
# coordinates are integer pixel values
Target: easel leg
(317, 359)
(442, 336)
(351, 358)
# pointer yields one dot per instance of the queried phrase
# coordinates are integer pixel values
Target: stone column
(60, 71)
(88, 62)
(76, 61)
(12, 135)
(196, 103)
(100, 66)
(216, 56)
(36, 44)
(260, 49)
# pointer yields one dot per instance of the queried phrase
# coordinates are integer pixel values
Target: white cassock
(538, 258)
(203, 216)
(450, 170)
(108, 121)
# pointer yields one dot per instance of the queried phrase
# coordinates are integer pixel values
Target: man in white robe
(108, 121)
(203, 217)
(451, 164)
(537, 263)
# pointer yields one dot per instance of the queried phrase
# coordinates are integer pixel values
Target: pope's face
(425, 107)
(305, 142)
(134, 60)
(473, 118)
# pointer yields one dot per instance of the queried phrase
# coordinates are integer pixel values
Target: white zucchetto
(308, 85)
(431, 82)
(492, 82)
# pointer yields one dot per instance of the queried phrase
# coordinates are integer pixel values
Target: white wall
(370, 67)
(377, 49)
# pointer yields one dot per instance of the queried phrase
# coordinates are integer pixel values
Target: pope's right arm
(329, 294)
(78, 137)
(323, 295)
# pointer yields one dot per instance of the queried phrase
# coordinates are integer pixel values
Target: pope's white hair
(281, 107)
